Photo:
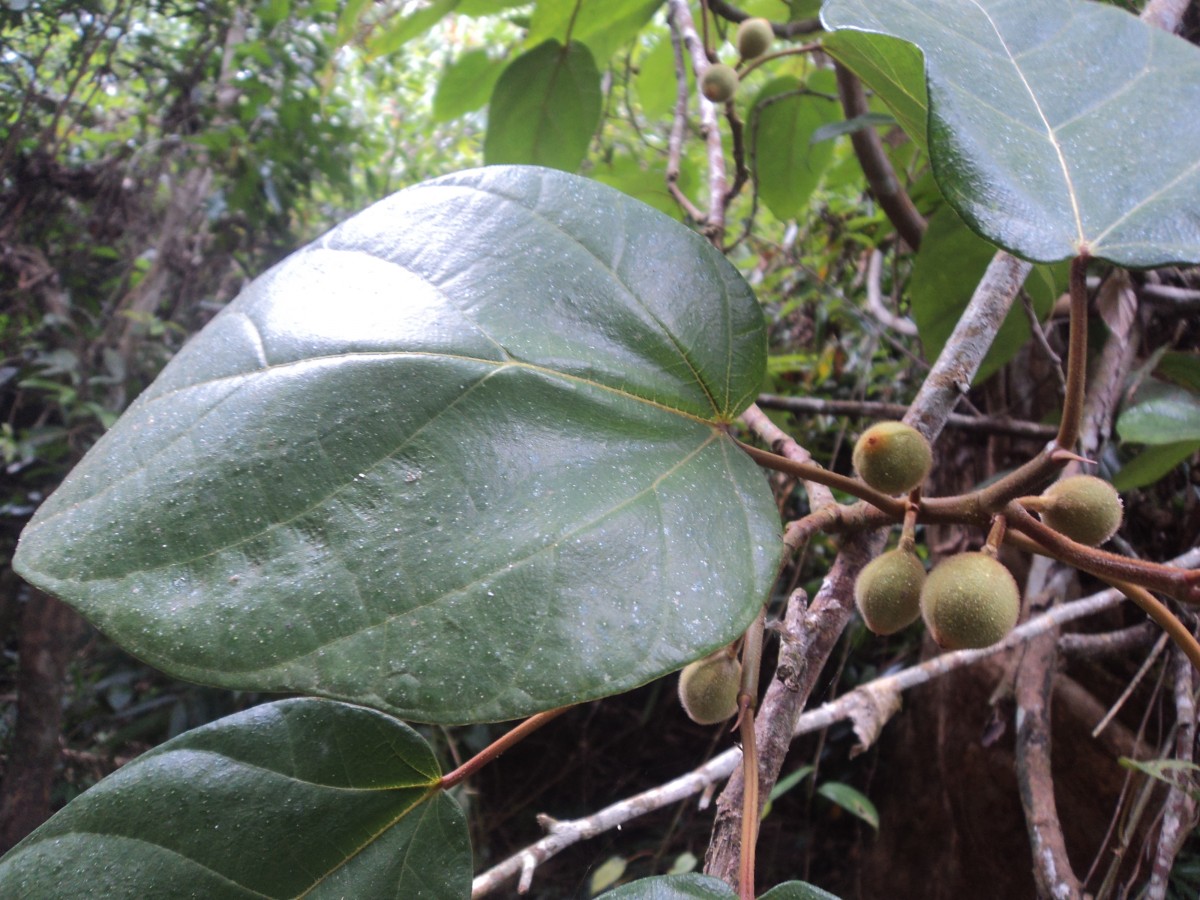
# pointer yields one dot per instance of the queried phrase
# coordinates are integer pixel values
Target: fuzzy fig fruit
(719, 83)
(754, 38)
(969, 601)
(888, 591)
(1085, 508)
(708, 688)
(892, 457)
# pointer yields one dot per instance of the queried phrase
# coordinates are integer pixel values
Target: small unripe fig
(892, 457)
(719, 83)
(1085, 508)
(708, 688)
(970, 600)
(888, 591)
(754, 38)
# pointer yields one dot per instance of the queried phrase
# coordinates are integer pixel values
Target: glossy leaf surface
(545, 108)
(296, 798)
(462, 459)
(1042, 119)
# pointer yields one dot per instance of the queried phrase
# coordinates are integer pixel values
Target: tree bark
(47, 637)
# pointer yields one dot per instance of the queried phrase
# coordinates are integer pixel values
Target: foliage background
(159, 154)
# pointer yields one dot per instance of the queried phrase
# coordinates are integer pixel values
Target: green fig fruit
(708, 688)
(970, 600)
(892, 457)
(1085, 508)
(888, 591)
(719, 83)
(754, 38)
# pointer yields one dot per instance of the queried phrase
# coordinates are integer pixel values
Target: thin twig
(714, 220)
(1034, 688)
(1179, 810)
(870, 409)
(875, 303)
(782, 29)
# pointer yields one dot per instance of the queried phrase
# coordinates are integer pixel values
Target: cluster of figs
(968, 601)
(719, 82)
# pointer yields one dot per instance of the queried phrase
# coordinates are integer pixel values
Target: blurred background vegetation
(156, 155)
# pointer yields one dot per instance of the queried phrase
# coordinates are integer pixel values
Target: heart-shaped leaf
(1054, 127)
(297, 798)
(463, 458)
(545, 108)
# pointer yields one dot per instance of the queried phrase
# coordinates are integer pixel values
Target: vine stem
(747, 701)
(497, 747)
(1077, 345)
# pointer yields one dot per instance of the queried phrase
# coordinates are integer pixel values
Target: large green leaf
(297, 798)
(787, 163)
(1055, 127)
(462, 458)
(545, 108)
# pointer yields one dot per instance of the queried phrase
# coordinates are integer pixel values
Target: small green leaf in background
(294, 798)
(1160, 414)
(603, 25)
(1178, 773)
(685, 862)
(788, 164)
(1152, 464)
(606, 874)
(783, 785)
(655, 84)
(1042, 117)
(851, 800)
(466, 84)
(462, 459)
(1181, 368)
(545, 108)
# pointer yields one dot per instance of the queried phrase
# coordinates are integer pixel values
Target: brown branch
(782, 29)
(875, 304)
(950, 378)
(1165, 14)
(679, 123)
(1034, 689)
(47, 631)
(713, 221)
(881, 177)
(1179, 810)
(869, 409)
(1109, 643)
